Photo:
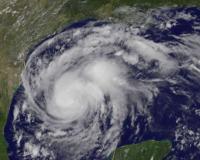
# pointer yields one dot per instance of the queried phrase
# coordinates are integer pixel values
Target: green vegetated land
(149, 150)
(23, 23)
(4, 102)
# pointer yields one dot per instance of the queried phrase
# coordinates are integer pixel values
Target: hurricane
(83, 86)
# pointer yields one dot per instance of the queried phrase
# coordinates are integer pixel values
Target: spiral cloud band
(81, 84)
(97, 85)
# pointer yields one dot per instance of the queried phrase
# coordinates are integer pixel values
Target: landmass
(148, 150)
